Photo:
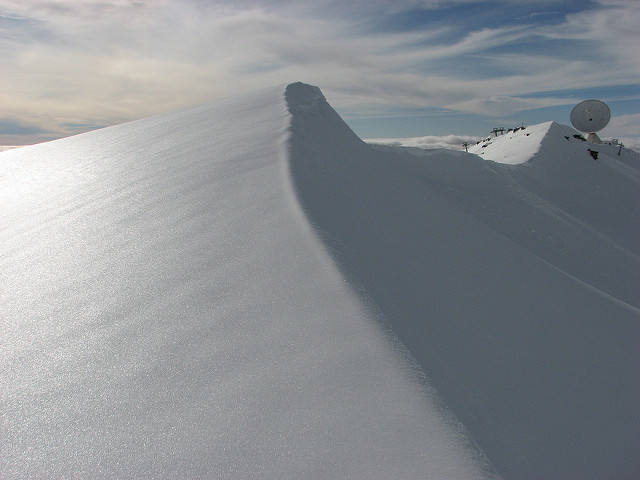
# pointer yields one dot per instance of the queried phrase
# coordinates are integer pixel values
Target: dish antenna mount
(590, 116)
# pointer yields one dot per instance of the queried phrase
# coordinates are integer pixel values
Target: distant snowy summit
(519, 145)
(513, 146)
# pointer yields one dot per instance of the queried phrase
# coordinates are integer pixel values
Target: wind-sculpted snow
(515, 287)
(247, 290)
(166, 312)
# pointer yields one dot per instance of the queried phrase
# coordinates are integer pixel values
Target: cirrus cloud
(98, 62)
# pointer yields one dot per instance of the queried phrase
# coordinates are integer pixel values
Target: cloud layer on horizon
(450, 142)
(71, 63)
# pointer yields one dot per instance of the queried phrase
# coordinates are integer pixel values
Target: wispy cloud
(497, 105)
(98, 62)
(611, 33)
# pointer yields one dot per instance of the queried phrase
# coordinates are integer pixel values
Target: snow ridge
(247, 289)
(513, 285)
(166, 312)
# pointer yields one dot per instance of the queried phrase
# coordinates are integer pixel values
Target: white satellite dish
(590, 116)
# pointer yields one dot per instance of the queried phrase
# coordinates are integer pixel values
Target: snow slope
(522, 144)
(166, 312)
(248, 290)
(514, 286)
(514, 147)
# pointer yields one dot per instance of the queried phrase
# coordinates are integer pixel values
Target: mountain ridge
(248, 289)
(166, 311)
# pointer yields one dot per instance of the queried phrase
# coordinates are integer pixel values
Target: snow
(248, 290)
(513, 147)
(524, 143)
(167, 311)
(514, 286)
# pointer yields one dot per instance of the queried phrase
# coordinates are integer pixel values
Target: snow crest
(513, 284)
(167, 312)
(248, 290)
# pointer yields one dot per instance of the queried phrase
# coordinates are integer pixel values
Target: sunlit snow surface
(513, 147)
(167, 312)
(247, 290)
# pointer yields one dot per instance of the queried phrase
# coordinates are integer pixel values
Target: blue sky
(392, 69)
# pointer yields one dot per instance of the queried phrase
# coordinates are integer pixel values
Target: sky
(402, 68)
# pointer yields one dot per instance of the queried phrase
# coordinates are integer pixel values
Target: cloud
(451, 142)
(611, 32)
(633, 144)
(497, 105)
(13, 127)
(100, 62)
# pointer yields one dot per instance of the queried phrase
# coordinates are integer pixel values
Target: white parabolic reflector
(590, 116)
